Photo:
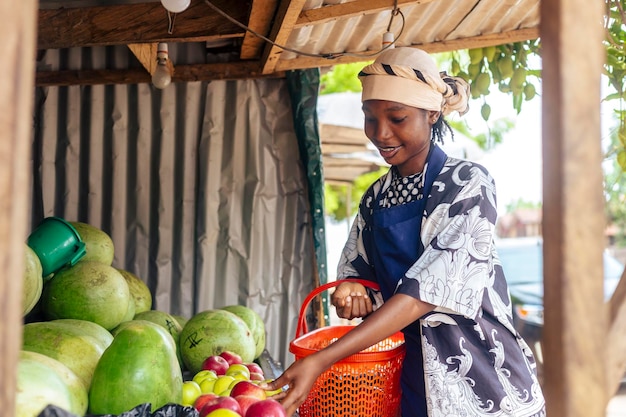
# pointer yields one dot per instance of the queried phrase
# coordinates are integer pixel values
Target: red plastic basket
(366, 384)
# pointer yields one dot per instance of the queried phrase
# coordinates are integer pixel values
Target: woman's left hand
(299, 378)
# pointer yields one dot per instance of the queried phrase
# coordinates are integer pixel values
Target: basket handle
(302, 327)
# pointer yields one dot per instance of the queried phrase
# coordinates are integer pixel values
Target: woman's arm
(394, 315)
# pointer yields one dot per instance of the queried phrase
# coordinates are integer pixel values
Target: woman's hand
(300, 377)
(351, 300)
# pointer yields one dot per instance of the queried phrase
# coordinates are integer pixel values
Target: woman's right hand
(351, 300)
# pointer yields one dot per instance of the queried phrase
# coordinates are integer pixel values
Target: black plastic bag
(142, 410)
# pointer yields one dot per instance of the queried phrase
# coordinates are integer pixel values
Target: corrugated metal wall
(200, 186)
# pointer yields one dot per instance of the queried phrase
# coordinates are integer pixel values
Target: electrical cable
(394, 12)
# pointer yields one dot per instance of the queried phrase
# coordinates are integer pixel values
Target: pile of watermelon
(92, 344)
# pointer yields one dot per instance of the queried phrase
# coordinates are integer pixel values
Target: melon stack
(70, 357)
(92, 344)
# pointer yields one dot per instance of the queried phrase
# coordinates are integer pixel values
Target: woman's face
(400, 132)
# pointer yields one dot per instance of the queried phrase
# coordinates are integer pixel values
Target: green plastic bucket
(57, 244)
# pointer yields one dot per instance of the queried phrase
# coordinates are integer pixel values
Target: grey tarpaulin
(200, 185)
(303, 88)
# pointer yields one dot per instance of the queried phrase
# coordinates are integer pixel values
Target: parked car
(522, 261)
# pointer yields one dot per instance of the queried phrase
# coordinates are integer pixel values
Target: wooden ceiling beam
(261, 17)
(146, 54)
(351, 9)
(434, 47)
(136, 23)
(183, 73)
(288, 12)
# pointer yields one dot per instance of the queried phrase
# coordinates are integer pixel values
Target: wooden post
(18, 35)
(573, 208)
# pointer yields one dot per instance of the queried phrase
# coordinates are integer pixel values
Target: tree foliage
(514, 69)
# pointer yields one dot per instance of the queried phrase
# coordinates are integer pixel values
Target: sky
(515, 164)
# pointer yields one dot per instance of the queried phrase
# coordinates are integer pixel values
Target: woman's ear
(433, 116)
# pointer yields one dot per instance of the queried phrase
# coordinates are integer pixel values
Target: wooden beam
(434, 47)
(261, 16)
(146, 53)
(18, 32)
(574, 333)
(350, 9)
(136, 23)
(286, 17)
(183, 73)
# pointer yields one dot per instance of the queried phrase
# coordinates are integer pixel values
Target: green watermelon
(130, 313)
(88, 328)
(68, 344)
(210, 333)
(140, 366)
(255, 324)
(78, 392)
(138, 290)
(180, 319)
(39, 385)
(33, 280)
(98, 244)
(89, 291)
(164, 320)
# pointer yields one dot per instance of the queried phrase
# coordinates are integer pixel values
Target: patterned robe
(464, 358)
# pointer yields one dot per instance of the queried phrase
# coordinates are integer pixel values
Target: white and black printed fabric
(464, 358)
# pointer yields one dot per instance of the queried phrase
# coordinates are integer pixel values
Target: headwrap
(410, 76)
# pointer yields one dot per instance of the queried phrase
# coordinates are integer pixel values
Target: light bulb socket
(388, 40)
(162, 50)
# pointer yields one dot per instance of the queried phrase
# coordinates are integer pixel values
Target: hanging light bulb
(161, 76)
(388, 41)
(176, 6)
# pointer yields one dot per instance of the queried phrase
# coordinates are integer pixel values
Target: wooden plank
(574, 335)
(261, 16)
(346, 10)
(146, 53)
(286, 17)
(18, 32)
(199, 72)
(434, 47)
(136, 23)
(616, 342)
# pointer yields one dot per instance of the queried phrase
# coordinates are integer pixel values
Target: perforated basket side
(356, 389)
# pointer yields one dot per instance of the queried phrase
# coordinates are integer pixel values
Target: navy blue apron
(392, 242)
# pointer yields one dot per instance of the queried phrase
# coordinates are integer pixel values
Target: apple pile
(228, 387)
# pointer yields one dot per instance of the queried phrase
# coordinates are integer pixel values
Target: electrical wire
(334, 55)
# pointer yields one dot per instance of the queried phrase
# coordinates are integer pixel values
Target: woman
(424, 232)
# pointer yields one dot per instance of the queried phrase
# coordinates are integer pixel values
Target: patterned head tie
(410, 76)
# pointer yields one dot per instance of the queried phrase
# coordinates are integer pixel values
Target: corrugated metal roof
(435, 25)
(297, 33)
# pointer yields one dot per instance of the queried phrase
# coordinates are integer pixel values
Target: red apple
(231, 357)
(215, 363)
(203, 399)
(254, 367)
(255, 376)
(248, 388)
(266, 408)
(245, 401)
(220, 402)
